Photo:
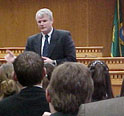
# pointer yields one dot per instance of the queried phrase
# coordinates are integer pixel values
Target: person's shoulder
(34, 36)
(7, 99)
(7, 103)
(109, 107)
(61, 31)
(107, 101)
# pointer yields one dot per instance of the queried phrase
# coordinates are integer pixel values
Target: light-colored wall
(90, 21)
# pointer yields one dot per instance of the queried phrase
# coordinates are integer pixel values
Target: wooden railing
(15, 50)
(116, 80)
(95, 51)
(114, 63)
(2, 61)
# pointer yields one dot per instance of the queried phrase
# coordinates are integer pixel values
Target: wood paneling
(90, 21)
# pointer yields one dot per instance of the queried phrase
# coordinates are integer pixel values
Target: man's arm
(69, 49)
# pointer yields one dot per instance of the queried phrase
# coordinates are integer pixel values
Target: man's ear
(48, 96)
(15, 77)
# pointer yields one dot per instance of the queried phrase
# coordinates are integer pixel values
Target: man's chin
(44, 31)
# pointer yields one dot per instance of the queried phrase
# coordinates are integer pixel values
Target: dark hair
(102, 83)
(28, 67)
(49, 69)
(8, 86)
(70, 86)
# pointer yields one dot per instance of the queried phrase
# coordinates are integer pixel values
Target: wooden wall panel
(90, 21)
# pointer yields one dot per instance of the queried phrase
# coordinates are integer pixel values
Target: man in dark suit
(60, 46)
(70, 86)
(30, 101)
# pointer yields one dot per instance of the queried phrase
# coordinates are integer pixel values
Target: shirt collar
(33, 86)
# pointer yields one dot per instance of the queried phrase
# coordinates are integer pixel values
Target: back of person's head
(44, 11)
(29, 68)
(8, 88)
(49, 69)
(6, 71)
(102, 83)
(70, 86)
(7, 85)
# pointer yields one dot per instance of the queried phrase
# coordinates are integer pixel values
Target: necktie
(46, 46)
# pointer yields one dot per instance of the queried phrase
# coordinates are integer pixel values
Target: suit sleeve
(69, 49)
(28, 45)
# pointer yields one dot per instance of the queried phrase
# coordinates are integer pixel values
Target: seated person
(101, 78)
(30, 101)
(49, 69)
(8, 86)
(70, 86)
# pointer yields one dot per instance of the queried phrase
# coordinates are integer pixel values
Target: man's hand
(47, 60)
(10, 57)
(46, 114)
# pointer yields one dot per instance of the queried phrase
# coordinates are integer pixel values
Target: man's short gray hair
(46, 11)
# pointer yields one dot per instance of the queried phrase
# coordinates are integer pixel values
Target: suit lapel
(53, 41)
(38, 44)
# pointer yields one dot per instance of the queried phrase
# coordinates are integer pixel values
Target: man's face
(44, 23)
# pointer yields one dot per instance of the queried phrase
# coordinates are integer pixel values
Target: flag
(117, 48)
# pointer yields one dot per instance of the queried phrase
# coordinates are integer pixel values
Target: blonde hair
(7, 85)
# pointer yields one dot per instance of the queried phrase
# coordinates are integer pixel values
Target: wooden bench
(94, 51)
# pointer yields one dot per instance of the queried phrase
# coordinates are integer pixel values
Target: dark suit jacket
(110, 107)
(29, 102)
(61, 46)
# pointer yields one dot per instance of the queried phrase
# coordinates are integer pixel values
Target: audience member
(101, 78)
(7, 85)
(49, 69)
(30, 101)
(70, 86)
